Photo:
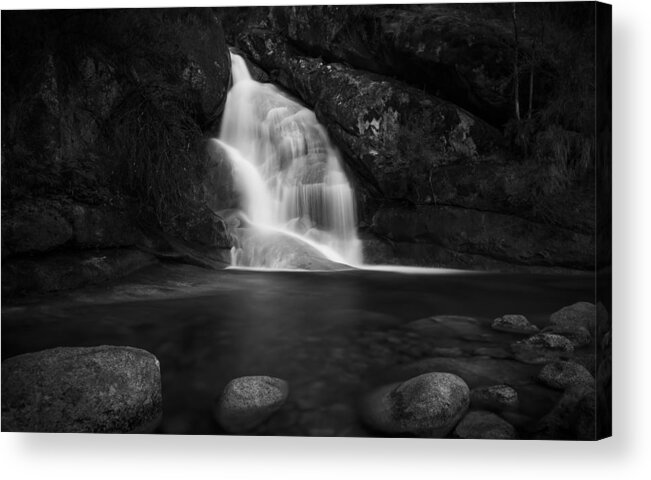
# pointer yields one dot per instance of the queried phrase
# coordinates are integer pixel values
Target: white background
(627, 455)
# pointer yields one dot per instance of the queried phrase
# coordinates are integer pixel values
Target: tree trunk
(533, 59)
(516, 67)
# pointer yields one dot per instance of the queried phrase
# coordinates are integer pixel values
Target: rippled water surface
(332, 335)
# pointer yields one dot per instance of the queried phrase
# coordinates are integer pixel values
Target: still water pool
(332, 335)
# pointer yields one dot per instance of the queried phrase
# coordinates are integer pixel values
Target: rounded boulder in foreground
(246, 402)
(105, 389)
(429, 405)
(484, 425)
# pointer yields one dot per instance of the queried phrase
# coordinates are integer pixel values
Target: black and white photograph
(363, 221)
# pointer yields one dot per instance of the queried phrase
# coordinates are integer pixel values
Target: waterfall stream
(287, 172)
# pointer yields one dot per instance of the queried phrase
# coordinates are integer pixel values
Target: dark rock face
(246, 402)
(66, 270)
(494, 235)
(40, 226)
(103, 116)
(103, 389)
(428, 405)
(393, 133)
(95, 62)
(29, 228)
(453, 51)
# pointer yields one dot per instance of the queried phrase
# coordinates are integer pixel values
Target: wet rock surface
(563, 375)
(579, 336)
(246, 402)
(105, 389)
(542, 348)
(581, 314)
(428, 405)
(276, 249)
(514, 324)
(484, 425)
(495, 398)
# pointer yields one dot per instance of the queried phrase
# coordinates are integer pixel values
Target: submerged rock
(485, 425)
(428, 405)
(106, 389)
(562, 375)
(495, 397)
(541, 348)
(246, 402)
(514, 324)
(580, 314)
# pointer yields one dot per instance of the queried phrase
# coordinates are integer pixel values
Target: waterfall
(288, 173)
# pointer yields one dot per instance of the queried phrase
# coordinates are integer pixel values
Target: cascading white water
(286, 169)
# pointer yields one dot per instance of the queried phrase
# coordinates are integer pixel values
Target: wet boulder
(579, 336)
(106, 389)
(561, 375)
(542, 348)
(247, 402)
(484, 425)
(429, 405)
(494, 397)
(580, 314)
(514, 324)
